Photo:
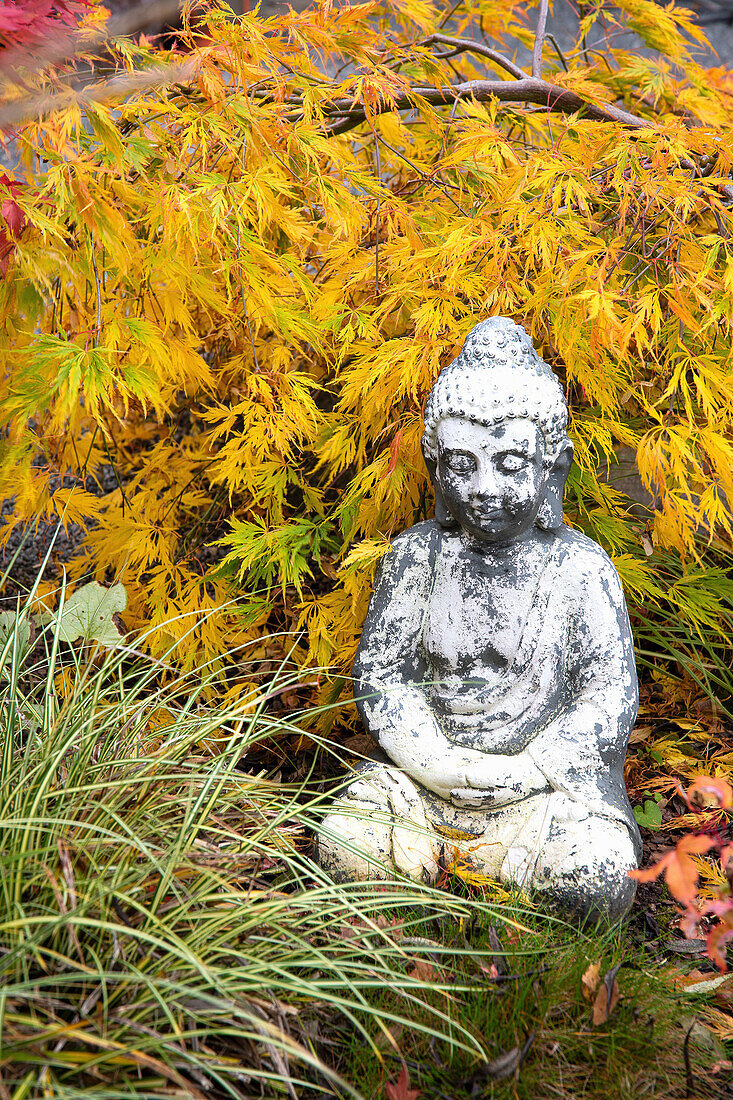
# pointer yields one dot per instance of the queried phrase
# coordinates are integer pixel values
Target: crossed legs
(384, 823)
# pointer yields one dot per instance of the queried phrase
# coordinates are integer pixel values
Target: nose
(485, 483)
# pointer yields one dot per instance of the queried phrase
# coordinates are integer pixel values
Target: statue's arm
(389, 671)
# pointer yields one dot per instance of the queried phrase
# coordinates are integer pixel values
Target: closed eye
(460, 463)
(512, 462)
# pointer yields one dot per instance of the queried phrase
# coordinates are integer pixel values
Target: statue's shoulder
(412, 551)
(418, 542)
(585, 565)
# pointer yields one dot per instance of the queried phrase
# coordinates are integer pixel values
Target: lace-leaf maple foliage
(238, 286)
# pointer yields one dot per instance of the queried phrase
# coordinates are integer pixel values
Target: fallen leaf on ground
(690, 947)
(401, 1090)
(700, 981)
(423, 971)
(499, 1068)
(718, 936)
(92, 613)
(607, 997)
(589, 981)
(503, 1066)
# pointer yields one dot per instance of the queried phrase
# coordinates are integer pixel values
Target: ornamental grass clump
(163, 930)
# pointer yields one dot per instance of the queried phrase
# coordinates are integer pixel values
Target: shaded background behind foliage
(228, 295)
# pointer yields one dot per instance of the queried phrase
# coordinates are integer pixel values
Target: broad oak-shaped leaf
(589, 981)
(10, 624)
(89, 614)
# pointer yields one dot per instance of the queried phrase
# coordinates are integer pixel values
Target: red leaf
(401, 1089)
(33, 22)
(14, 216)
(394, 453)
(423, 971)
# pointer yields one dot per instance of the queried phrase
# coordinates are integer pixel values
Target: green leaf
(10, 624)
(89, 614)
(650, 816)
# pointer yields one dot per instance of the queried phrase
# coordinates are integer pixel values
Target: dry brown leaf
(604, 1005)
(589, 981)
(423, 971)
(639, 734)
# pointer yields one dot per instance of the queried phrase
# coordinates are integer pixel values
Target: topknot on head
(499, 339)
(498, 375)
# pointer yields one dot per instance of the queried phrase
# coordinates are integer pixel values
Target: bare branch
(346, 113)
(468, 45)
(539, 39)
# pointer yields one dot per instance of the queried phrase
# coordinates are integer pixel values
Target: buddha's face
(492, 478)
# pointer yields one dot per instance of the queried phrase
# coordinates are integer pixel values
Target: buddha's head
(495, 439)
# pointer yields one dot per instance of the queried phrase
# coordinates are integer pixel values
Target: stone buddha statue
(495, 668)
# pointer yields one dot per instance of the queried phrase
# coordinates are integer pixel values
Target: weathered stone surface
(496, 666)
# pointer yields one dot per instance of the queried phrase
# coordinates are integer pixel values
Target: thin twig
(115, 471)
(98, 325)
(689, 1078)
(539, 39)
(451, 11)
(558, 51)
(423, 175)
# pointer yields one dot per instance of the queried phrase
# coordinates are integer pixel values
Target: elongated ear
(442, 514)
(549, 517)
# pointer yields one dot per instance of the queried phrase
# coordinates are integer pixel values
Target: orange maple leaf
(394, 453)
(706, 788)
(719, 935)
(680, 870)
